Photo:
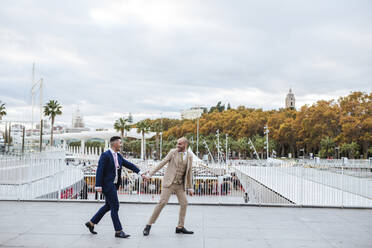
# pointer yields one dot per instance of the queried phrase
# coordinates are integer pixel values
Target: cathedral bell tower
(290, 101)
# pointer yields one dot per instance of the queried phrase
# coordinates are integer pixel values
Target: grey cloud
(149, 63)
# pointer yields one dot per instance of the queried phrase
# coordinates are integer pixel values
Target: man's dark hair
(112, 139)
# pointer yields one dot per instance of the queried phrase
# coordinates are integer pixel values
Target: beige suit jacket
(170, 173)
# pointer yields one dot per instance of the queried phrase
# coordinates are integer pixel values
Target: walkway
(53, 224)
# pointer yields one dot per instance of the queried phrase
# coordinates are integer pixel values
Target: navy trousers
(111, 204)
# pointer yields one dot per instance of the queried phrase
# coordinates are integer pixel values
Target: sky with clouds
(155, 58)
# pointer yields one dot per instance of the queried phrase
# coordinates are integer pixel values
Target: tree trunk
(365, 150)
(51, 133)
(282, 150)
(9, 135)
(122, 140)
(157, 149)
(6, 134)
(143, 145)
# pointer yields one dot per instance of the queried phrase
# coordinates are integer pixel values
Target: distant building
(102, 129)
(46, 126)
(59, 129)
(16, 132)
(77, 120)
(2, 135)
(78, 124)
(192, 113)
(290, 101)
(130, 118)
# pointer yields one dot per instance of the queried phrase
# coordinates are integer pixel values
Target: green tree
(327, 146)
(370, 151)
(168, 145)
(356, 120)
(351, 150)
(2, 110)
(241, 146)
(133, 146)
(219, 107)
(344, 120)
(259, 144)
(314, 123)
(74, 143)
(95, 143)
(52, 109)
(121, 125)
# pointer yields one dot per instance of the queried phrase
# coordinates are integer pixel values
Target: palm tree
(122, 125)
(2, 110)
(143, 127)
(52, 109)
(327, 145)
(242, 147)
(351, 149)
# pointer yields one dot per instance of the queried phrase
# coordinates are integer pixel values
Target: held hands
(99, 190)
(145, 176)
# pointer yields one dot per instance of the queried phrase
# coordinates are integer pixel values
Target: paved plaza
(61, 224)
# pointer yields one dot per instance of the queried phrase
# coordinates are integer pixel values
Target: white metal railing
(256, 182)
(322, 185)
(37, 176)
(290, 182)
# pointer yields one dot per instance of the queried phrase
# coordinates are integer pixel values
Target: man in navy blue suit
(108, 181)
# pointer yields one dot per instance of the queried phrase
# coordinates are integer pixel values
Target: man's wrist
(97, 187)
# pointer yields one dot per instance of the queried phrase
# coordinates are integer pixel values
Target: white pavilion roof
(105, 135)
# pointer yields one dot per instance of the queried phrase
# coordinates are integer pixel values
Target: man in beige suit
(177, 179)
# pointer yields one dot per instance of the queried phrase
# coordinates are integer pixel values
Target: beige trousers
(164, 198)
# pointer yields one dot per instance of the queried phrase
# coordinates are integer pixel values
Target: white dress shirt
(116, 161)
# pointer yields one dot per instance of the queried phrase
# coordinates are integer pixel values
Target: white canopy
(105, 135)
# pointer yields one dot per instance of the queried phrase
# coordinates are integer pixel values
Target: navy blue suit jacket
(105, 174)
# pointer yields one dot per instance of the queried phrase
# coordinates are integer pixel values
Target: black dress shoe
(146, 231)
(121, 235)
(183, 230)
(90, 227)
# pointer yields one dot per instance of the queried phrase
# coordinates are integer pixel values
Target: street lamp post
(197, 137)
(161, 144)
(226, 149)
(161, 136)
(266, 131)
(36, 86)
(196, 113)
(218, 145)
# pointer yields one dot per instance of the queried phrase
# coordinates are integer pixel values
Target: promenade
(61, 224)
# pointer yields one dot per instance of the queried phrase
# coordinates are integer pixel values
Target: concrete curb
(201, 204)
